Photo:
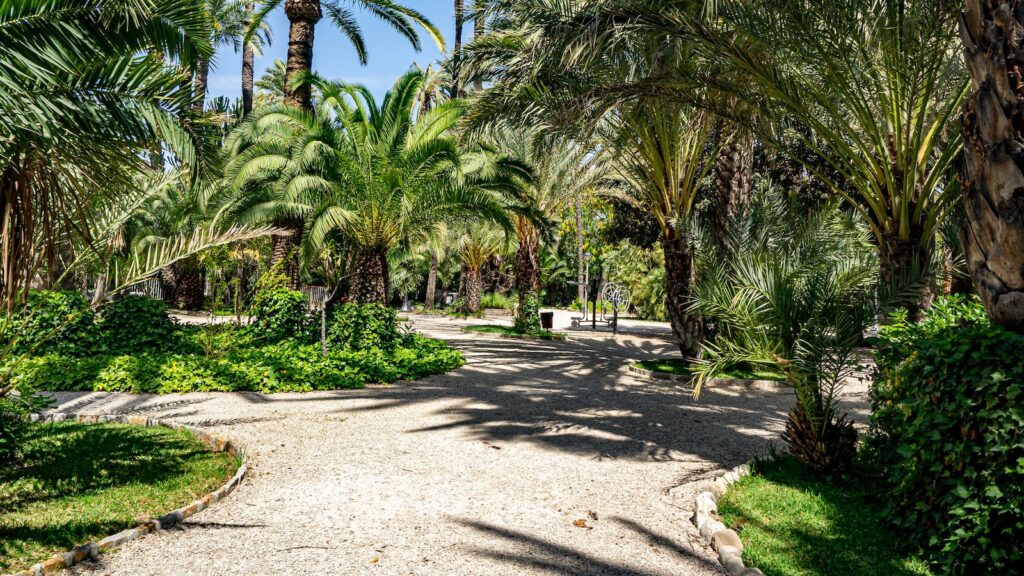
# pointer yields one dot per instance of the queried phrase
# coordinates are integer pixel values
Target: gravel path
(481, 471)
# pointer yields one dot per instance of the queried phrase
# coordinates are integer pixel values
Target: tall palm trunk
(527, 270)
(687, 327)
(479, 29)
(734, 170)
(581, 275)
(284, 250)
(302, 18)
(247, 67)
(431, 295)
(457, 50)
(370, 277)
(200, 81)
(474, 289)
(993, 130)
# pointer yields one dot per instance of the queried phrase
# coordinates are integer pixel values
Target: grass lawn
(681, 367)
(505, 330)
(794, 525)
(82, 482)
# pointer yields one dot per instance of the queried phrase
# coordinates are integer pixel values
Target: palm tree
(562, 170)
(374, 174)
(460, 15)
(303, 15)
(477, 243)
(83, 101)
(877, 82)
(173, 207)
(992, 129)
(257, 34)
(227, 28)
(796, 297)
(661, 157)
(431, 94)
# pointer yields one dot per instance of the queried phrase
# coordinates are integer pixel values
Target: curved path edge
(92, 550)
(725, 541)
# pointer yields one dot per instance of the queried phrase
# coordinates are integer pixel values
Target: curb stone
(92, 550)
(722, 539)
(772, 386)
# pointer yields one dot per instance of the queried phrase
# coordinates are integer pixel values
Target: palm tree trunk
(248, 62)
(905, 263)
(527, 270)
(302, 17)
(284, 252)
(474, 289)
(188, 288)
(457, 50)
(687, 327)
(199, 83)
(479, 29)
(431, 295)
(581, 276)
(370, 277)
(993, 130)
(734, 170)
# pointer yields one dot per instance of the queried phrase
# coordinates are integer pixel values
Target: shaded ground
(481, 471)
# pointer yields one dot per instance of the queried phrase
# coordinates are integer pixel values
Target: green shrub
(289, 366)
(14, 407)
(363, 327)
(281, 314)
(137, 323)
(948, 427)
(52, 321)
(498, 301)
(528, 316)
(643, 273)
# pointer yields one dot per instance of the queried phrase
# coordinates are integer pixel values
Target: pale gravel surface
(481, 471)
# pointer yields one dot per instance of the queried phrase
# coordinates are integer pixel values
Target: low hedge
(948, 430)
(285, 367)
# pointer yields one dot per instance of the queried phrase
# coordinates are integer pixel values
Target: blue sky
(390, 54)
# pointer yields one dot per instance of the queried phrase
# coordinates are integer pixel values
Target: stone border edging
(94, 549)
(723, 539)
(773, 386)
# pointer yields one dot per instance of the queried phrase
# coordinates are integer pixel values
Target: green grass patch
(82, 482)
(793, 524)
(681, 367)
(507, 331)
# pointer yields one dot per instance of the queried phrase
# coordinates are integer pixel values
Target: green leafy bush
(948, 427)
(643, 272)
(497, 301)
(363, 327)
(281, 313)
(136, 323)
(52, 321)
(288, 366)
(527, 319)
(14, 407)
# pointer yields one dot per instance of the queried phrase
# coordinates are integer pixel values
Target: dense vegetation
(772, 177)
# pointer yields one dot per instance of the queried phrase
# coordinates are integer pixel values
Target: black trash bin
(547, 320)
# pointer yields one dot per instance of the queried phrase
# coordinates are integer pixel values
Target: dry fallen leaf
(374, 560)
(581, 523)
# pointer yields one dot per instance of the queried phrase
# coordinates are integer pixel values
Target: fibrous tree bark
(527, 267)
(303, 16)
(993, 174)
(687, 327)
(247, 67)
(370, 277)
(734, 171)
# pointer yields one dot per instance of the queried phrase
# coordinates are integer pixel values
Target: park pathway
(482, 471)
